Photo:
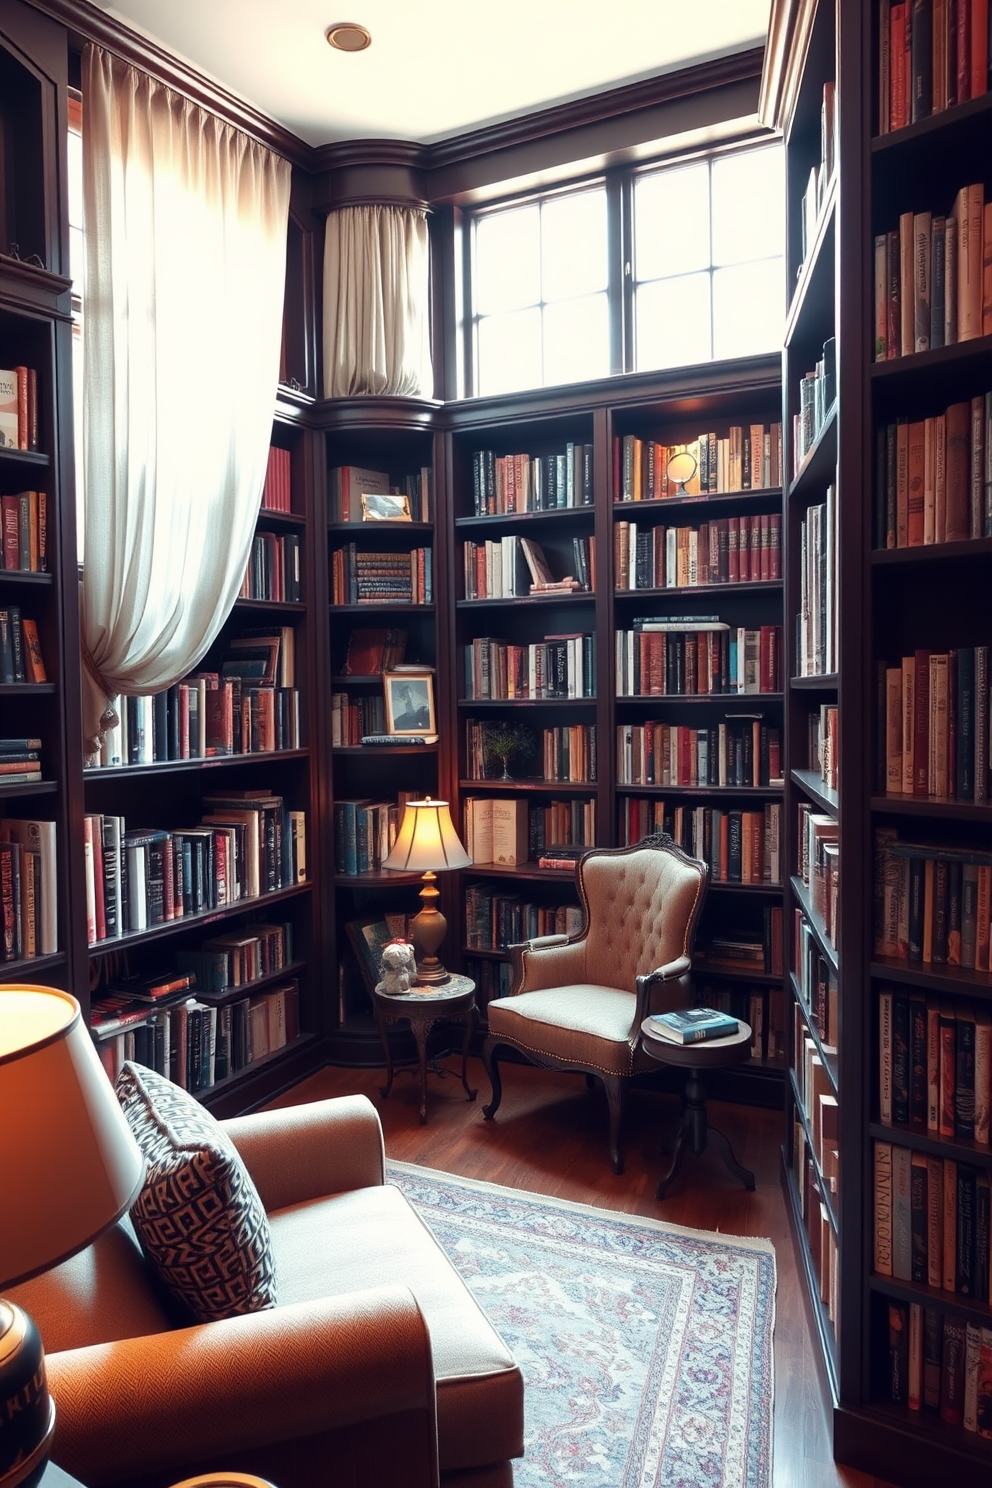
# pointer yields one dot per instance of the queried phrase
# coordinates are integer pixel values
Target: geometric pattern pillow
(198, 1216)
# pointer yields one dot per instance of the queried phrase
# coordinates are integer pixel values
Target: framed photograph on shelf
(409, 702)
(377, 507)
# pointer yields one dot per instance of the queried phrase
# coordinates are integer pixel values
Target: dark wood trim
(85, 22)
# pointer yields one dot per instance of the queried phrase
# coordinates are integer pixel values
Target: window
(708, 261)
(540, 292)
(703, 272)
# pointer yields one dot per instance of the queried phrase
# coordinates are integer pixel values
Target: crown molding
(789, 27)
(596, 108)
(87, 23)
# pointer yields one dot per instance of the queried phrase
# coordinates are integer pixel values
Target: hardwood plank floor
(549, 1136)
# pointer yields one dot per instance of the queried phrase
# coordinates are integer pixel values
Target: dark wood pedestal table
(693, 1126)
(452, 1001)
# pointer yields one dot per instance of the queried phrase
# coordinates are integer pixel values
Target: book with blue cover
(693, 1025)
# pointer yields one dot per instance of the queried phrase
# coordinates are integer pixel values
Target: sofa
(376, 1365)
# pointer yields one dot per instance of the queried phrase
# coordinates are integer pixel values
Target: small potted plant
(505, 742)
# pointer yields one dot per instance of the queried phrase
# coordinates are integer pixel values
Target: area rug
(646, 1348)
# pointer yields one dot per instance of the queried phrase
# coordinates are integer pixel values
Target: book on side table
(693, 1025)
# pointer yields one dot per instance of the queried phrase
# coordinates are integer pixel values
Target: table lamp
(427, 843)
(69, 1167)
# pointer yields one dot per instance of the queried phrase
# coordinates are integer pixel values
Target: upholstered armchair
(375, 1367)
(577, 1002)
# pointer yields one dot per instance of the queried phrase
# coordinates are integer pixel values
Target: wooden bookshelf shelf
(821, 795)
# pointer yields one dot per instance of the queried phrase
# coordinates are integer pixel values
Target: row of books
(727, 550)
(511, 567)
(742, 847)
(932, 54)
(197, 1044)
(747, 458)
(568, 752)
(817, 983)
(929, 288)
(347, 484)
(813, 1191)
(763, 1008)
(512, 831)
(743, 751)
(219, 965)
(816, 621)
(246, 844)
(201, 718)
(25, 531)
(273, 571)
(935, 724)
(277, 493)
(932, 902)
(747, 948)
(492, 979)
(503, 484)
(560, 666)
(369, 652)
(692, 655)
(20, 761)
(20, 650)
(933, 477)
(352, 718)
(365, 830)
(821, 174)
(821, 744)
(818, 864)
(817, 395)
(931, 1221)
(19, 408)
(359, 576)
(494, 921)
(819, 1106)
(28, 888)
(939, 1362)
(934, 1065)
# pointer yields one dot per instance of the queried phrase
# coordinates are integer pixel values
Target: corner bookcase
(888, 1160)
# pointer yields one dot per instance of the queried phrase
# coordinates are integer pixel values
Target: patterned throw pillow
(199, 1216)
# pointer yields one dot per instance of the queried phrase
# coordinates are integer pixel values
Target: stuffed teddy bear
(399, 966)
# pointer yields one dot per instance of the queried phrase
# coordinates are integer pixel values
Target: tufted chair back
(641, 907)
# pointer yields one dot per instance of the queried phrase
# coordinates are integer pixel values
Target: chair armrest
(307, 1151)
(668, 972)
(547, 961)
(172, 1401)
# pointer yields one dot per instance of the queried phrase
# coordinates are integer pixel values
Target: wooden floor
(550, 1137)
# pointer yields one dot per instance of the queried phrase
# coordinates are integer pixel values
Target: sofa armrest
(307, 1151)
(172, 1401)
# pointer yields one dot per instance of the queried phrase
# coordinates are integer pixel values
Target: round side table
(452, 1001)
(693, 1126)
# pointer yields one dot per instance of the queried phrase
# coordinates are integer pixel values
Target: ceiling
(435, 68)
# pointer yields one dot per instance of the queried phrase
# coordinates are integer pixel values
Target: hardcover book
(693, 1025)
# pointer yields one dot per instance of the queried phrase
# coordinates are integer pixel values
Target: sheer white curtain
(185, 221)
(376, 300)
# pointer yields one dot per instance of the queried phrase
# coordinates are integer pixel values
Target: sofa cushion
(198, 1216)
(351, 1241)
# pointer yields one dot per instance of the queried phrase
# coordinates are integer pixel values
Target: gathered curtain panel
(185, 223)
(376, 302)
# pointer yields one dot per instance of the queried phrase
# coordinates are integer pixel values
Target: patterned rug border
(672, 1441)
(719, 1238)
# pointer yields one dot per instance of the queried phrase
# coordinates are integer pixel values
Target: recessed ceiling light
(348, 36)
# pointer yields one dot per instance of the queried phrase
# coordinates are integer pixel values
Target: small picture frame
(409, 702)
(380, 507)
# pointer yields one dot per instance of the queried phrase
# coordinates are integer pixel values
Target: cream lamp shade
(69, 1166)
(427, 843)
